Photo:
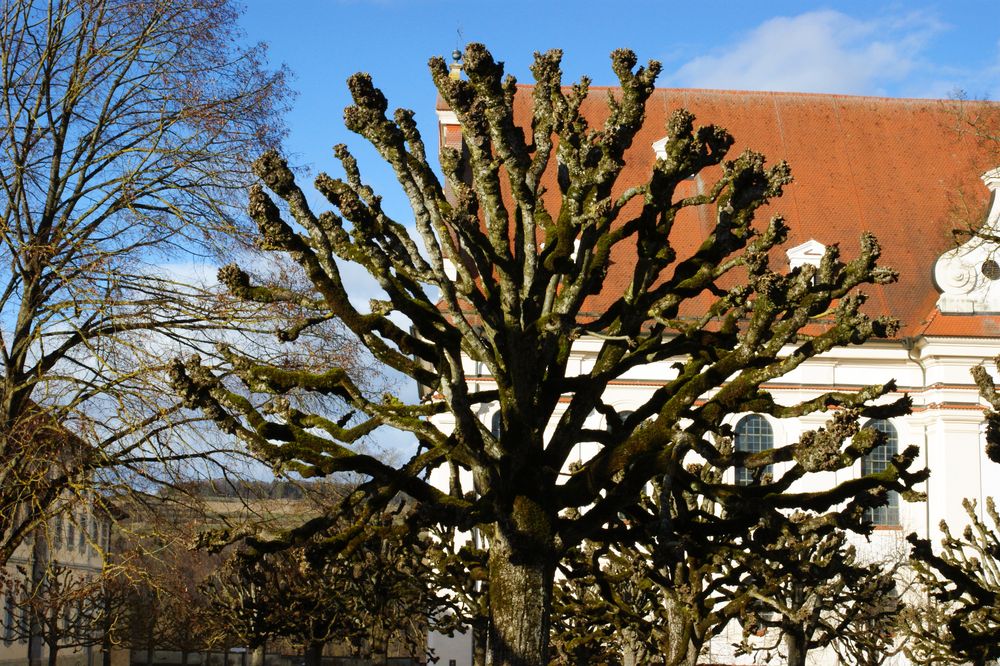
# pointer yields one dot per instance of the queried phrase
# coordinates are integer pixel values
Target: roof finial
(456, 56)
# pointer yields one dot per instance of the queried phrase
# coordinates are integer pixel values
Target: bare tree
(960, 621)
(159, 577)
(63, 609)
(125, 129)
(541, 212)
(380, 597)
(977, 122)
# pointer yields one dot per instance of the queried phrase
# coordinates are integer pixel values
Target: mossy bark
(520, 605)
(634, 653)
(679, 648)
(258, 655)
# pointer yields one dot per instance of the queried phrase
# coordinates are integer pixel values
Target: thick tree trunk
(797, 646)
(380, 647)
(257, 655)
(314, 653)
(520, 605)
(678, 647)
(633, 653)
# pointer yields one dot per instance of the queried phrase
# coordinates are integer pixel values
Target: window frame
(741, 475)
(876, 461)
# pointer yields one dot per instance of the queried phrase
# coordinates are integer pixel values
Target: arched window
(495, 424)
(876, 461)
(753, 434)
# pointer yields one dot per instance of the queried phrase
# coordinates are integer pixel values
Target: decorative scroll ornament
(969, 276)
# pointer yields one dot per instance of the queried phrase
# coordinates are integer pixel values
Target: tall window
(753, 434)
(876, 461)
(82, 532)
(8, 618)
(57, 532)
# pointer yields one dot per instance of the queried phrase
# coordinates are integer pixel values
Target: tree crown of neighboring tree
(127, 126)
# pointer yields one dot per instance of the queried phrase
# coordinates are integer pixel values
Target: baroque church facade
(910, 172)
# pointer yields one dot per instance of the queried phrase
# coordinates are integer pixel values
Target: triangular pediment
(810, 252)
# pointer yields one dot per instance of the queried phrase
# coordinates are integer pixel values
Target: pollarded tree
(123, 147)
(810, 585)
(987, 389)
(509, 249)
(961, 622)
(668, 585)
(584, 617)
(376, 598)
(386, 588)
(247, 600)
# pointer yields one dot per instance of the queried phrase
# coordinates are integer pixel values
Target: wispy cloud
(819, 51)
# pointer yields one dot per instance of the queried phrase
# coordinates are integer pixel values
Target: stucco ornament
(969, 276)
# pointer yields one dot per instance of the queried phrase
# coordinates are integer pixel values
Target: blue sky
(896, 49)
(899, 49)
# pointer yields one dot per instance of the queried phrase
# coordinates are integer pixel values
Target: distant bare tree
(65, 608)
(379, 597)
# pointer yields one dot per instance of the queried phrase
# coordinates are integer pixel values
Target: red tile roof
(895, 167)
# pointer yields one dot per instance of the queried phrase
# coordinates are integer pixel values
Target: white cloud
(194, 273)
(820, 51)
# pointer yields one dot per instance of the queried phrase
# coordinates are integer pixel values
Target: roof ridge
(790, 93)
